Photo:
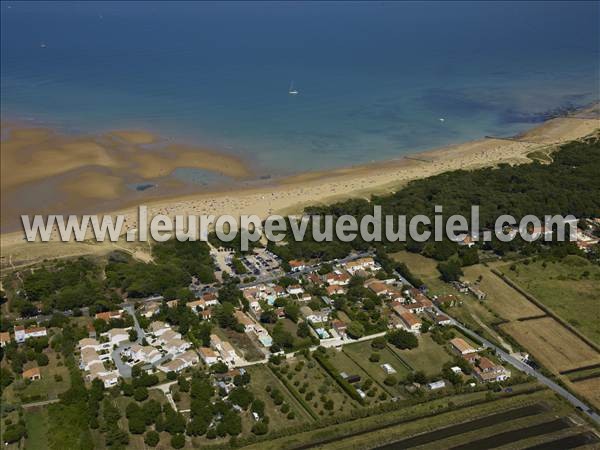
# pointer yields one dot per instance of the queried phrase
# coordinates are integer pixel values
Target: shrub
(390, 380)
(151, 438)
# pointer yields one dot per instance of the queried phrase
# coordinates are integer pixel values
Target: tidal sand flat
(43, 170)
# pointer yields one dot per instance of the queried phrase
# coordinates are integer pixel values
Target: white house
(180, 363)
(296, 265)
(314, 316)
(117, 336)
(108, 377)
(208, 355)
(158, 328)
(295, 289)
(147, 353)
(22, 333)
(175, 346)
(436, 385)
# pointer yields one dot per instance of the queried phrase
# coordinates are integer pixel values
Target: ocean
(376, 80)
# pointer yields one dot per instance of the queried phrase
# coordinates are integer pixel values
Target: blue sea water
(375, 78)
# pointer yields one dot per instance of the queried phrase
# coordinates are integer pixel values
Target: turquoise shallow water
(374, 79)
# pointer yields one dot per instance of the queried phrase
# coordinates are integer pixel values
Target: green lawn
(360, 353)
(569, 287)
(36, 420)
(428, 357)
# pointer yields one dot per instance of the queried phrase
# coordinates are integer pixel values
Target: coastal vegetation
(516, 190)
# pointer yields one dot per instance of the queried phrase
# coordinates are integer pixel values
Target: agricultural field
(428, 357)
(588, 388)
(318, 391)
(462, 422)
(481, 427)
(568, 287)
(261, 377)
(360, 353)
(501, 298)
(553, 345)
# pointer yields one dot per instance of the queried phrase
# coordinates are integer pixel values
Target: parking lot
(261, 263)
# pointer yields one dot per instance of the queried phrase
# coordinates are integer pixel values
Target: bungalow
(228, 353)
(388, 369)
(306, 297)
(173, 303)
(196, 306)
(442, 320)
(108, 315)
(409, 321)
(335, 290)
(414, 306)
(295, 289)
(117, 336)
(436, 385)
(4, 338)
(224, 348)
(175, 365)
(32, 374)
(296, 265)
(176, 345)
(88, 357)
(314, 279)
(314, 316)
(210, 299)
(190, 357)
(108, 377)
(478, 293)
(150, 309)
(89, 343)
(338, 278)
(487, 371)
(22, 334)
(208, 355)
(169, 335)
(366, 263)
(206, 314)
(462, 347)
(158, 328)
(340, 327)
(378, 287)
(244, 320)
(147, 354)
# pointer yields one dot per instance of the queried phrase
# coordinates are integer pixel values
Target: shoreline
(292, 193)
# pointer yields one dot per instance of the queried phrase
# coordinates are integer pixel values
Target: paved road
(531, 371)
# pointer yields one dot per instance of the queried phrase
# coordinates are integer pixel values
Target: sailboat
(292, 90)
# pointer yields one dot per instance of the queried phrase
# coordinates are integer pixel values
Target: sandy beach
(284, 196)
